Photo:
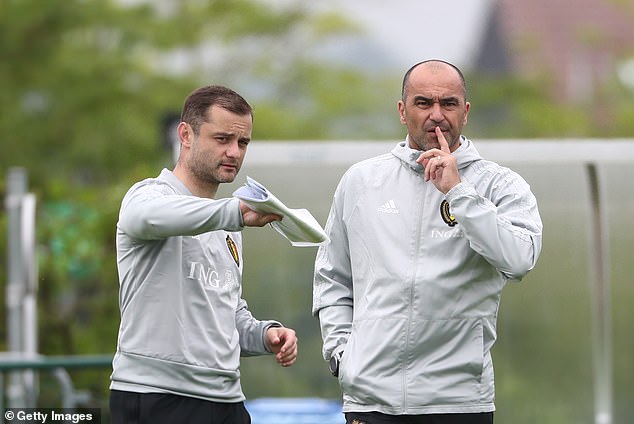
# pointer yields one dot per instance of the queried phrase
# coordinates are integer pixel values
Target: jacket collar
(171, 179)
(465, 154)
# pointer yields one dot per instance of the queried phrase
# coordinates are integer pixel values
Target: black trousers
(378, 418)
(164, 408)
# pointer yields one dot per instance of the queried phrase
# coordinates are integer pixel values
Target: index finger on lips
(444, 146)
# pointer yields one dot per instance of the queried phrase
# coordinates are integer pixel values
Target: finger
(428, 155)
(286, 360)
(424, 158)
(274, 337)
(274, 217)
(430, 167)
(286, 356)
(290, 362)
(289, 345)
(435, 166)
(268, 218)
(286, 338)
(444, 146)
(437, 171)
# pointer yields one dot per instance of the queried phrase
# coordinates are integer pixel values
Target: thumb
(275, 339)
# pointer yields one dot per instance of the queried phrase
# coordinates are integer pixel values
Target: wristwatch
(333, 364)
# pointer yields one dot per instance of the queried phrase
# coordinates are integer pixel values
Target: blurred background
(91, 90)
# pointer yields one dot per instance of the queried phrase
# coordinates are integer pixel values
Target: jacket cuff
(240, 220)
(459, 190)
(339, 349)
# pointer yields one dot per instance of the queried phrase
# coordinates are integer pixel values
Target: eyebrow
(431, 100)
(226, 134)
(233, 134)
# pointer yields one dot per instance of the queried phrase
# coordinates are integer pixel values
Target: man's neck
(195, 186)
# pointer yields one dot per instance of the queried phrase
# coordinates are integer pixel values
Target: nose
(435, 113)
(233, 149)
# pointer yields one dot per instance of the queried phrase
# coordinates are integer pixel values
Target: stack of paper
(297, 225)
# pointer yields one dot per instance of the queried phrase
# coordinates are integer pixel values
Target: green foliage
(515, 108)
(82, 84)
(314, 104)
(78, 283)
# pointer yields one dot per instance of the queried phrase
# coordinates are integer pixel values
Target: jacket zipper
(412, 285)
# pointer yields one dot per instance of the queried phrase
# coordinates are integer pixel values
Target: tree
(85, 84)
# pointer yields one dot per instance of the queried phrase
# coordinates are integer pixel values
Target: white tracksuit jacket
(409, 285)
(183, 322)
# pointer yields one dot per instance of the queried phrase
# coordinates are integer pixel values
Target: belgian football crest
(446, 215)
(233, 249)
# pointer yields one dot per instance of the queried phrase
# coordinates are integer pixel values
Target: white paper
(298, 226)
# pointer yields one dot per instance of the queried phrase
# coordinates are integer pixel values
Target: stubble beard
(428, 141)
(213, 174)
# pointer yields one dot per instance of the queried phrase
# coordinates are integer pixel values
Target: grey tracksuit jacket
(409, 285)
(183, 324)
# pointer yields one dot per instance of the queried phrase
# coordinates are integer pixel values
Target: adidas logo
(389, 207)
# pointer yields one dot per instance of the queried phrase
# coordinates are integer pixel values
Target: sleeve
(332, 284)
(149, 213)
(506, 229)
(252, 332)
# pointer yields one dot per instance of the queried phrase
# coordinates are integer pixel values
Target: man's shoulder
(360, 172)
(371, 164)
(148, 189)
(159, 184)
(493, 168)
(487, 173)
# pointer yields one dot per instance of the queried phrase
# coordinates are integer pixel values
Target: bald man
(422, 241)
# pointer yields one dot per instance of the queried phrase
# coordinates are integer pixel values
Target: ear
(466, 113)
(185, 134)
(401, 111)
